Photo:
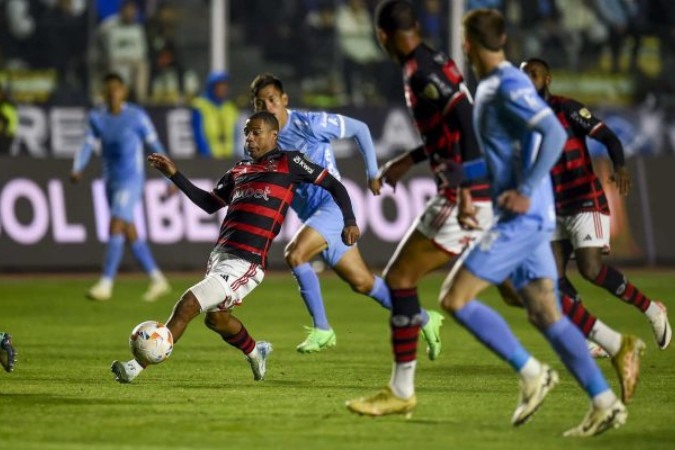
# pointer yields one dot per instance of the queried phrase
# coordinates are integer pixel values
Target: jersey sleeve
(581, 118)
(148, 133)
(303, 170)
(83, 154)
(224, 187)
(326, 126)
(522, 102)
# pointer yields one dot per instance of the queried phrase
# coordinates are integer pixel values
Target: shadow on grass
(49, 399)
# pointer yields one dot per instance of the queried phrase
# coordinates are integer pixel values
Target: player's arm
(83, 155)
(208, 201)
(305, 171)
(149, 135)
(582, 119)
(359, 131)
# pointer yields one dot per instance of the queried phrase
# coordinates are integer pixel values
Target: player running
(583, 221)
(257, 193)
(312, 133)
(123, 129)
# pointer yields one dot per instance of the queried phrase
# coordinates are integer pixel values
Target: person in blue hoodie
(214, 119)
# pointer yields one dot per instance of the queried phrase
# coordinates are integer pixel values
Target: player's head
(261, 131)
(114, 89)
(484, 36)
(267, 94)
(539, 72)
(397, 25)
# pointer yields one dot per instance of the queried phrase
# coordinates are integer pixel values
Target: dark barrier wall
(46, 223)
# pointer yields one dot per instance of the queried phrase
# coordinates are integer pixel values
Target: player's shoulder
(429, 65)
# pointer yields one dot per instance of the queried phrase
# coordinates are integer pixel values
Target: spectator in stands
(123, 48)
(359, 49)
(9, 121)
(214, 119)
(619, 16)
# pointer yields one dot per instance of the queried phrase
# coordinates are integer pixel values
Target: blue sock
(491, 329)
(310, 290)
(380, 293)
(142, 254)
(113, 255)
(570, 346)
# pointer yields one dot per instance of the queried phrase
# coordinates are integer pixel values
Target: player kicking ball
(257, 193)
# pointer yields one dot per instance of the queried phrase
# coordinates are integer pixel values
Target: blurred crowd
(326, 47)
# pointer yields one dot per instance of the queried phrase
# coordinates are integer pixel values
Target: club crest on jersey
(585, 113)
(250, 192)
(431, 92)
(299, 160)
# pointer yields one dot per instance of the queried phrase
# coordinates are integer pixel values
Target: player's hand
(375, 186)
(622, 180)
(350, 234)
(394, 170)
(75, 177)
(513, 201)
(163, 163)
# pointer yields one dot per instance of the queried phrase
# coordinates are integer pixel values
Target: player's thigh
(229, 280)
(353, 269)
(305, 245)
(562, 250)
(588, 229)
(416, 256)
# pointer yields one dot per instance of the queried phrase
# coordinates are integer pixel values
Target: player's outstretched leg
(102, 290)
(7, 352)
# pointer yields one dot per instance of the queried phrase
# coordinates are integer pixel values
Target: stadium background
(50, 64)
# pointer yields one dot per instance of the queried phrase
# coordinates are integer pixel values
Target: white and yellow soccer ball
(151, 342)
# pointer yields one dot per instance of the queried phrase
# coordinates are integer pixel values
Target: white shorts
(228, 280)
(439, 223)
(586, 229)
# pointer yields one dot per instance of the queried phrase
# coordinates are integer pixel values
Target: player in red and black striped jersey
(257, 193)
(583, 218)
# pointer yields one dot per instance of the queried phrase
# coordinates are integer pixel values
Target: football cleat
(157, 289)
(627, 365)
(382, 403)
(100, 292)
(259, 363)
(7, 352)
(432, 334)
(532, 394)
(124, 372)
(317, 340)
(596, 351)
(599, 420)
(661, 327)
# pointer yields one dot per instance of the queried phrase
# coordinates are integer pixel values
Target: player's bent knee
(362, 285)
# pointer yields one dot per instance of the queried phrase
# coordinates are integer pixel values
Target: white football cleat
(532, 394)
(259, 363)
(157, 289)
(125, 372)
(661, 327)
(600, 420)
(100, 292)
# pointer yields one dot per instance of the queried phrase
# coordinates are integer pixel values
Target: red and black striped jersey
(576, 187)
(258, 194)
(440, 104)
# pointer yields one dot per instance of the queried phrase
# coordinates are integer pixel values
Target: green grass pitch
(62, 395)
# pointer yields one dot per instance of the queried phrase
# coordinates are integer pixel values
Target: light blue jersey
(311, 133)
(122, 138)
(521, 140)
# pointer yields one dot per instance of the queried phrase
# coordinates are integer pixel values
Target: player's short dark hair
(539, 61)
(262, 81)
(113, 76)
(393, 15)
(267, 117)
(486, 27)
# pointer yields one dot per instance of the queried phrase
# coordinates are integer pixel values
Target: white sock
(254, 353)
(531, 369)
(653, 311)
(403, 379)
(606, 338)
(156, 276)
(604, 399)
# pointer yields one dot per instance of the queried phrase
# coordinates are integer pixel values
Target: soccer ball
(151, 342)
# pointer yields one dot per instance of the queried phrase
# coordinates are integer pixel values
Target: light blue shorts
(122, 199)
(518, 249)
(329, 223)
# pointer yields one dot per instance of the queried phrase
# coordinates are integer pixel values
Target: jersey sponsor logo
(250, 192)
(302, 163)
